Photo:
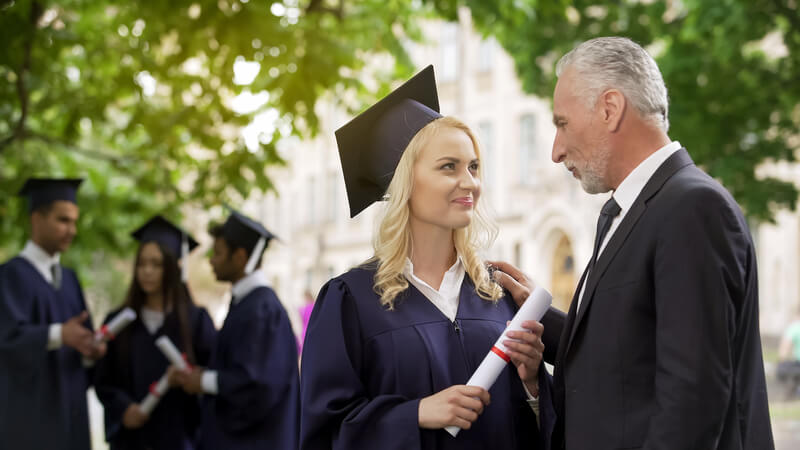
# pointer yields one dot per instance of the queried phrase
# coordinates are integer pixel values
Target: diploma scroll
(496, 360)
(157, 390)
(110, 330)
(173, 355)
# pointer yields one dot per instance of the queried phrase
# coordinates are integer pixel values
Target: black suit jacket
(665, 352)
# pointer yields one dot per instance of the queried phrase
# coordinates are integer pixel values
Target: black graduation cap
(247, 233)
(163, 231)
(43, 191)
(370, 145)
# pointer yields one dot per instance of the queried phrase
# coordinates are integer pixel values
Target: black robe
(42, 393)
(132, 364)
(366, 368)
(258, 403)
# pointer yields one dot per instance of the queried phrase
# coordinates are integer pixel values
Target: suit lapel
(674, 163)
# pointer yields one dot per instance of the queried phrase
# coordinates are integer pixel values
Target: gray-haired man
(661, 346)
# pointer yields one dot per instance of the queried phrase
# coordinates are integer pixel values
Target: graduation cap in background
(44, 191)
(158, 229)
(371, 145)
(247, 233)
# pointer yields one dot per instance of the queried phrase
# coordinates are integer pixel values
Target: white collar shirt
(40, 259)
(247, 284)
(446, 297)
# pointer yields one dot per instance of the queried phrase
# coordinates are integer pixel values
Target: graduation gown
(365, 370)
(258, 401)
(132, 364)
(42, 393)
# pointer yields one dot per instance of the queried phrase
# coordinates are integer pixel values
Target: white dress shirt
(152, 319)
(446, 300)
(43, 262)
(239, 291)
(630, 188)
(446, 297)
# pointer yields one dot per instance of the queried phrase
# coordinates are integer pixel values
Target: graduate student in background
(391, 343)
(251, 386)
(46, 337)
(163, 307)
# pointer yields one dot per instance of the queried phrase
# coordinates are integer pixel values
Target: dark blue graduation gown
(258, 403)
(365, 370)
(42, 393)
(132, 364)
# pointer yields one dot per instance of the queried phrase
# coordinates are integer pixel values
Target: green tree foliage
(136, 97)
(731, 68)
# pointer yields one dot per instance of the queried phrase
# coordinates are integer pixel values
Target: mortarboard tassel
(184, 258)
(251, 263)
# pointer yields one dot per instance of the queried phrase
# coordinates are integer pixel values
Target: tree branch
(317, 6)
(117, 161)
(22, 89)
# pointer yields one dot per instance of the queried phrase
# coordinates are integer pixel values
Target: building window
(486, 55)
(449, 49)
(486, 136)
(563, 276)
(527, 144)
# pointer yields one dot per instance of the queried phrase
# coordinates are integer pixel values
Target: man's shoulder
(17, 267)
(262, 300)
(691, 186)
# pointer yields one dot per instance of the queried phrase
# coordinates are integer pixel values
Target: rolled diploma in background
(110, 330)
(496, 360)
(172, 353)
(157, 390)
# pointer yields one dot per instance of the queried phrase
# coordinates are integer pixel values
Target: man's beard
(592, 176)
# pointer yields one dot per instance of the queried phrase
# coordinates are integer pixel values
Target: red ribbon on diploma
(501, 354)
(188, 364)
(153, 389)
(104, 332)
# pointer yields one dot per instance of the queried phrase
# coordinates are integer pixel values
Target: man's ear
(36, 219)
(240, 257)
(612, 106)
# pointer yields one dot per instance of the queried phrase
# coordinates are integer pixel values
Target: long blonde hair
(392, 241)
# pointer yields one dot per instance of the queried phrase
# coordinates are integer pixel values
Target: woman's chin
(461, 222)
(149, 290)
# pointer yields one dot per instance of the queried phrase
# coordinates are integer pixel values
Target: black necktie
(55, 270)
(610, 210)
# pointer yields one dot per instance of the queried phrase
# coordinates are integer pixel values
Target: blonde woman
(390, 343)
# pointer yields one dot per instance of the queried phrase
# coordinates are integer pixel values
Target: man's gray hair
(616, 62)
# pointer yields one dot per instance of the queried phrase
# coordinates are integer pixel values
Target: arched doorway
(563, 278)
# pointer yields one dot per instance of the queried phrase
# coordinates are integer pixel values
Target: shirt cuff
(54, 337)
(209, 382)
(533, 402)
(531, 398)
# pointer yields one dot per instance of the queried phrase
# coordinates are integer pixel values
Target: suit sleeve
(23, 343)
(701, 261)
(108, 387)
(553, 322)
(263, 365)
(336, 409)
